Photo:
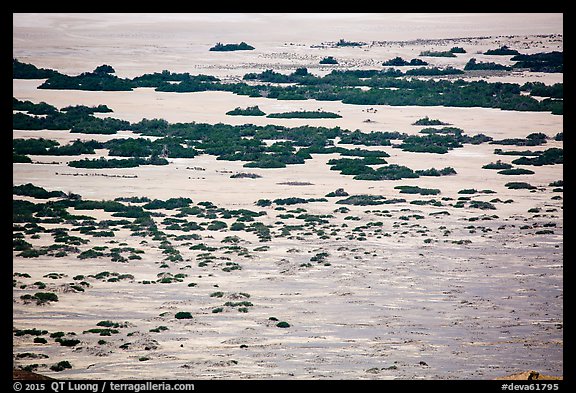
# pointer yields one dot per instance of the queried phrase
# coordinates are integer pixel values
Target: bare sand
(481, 299)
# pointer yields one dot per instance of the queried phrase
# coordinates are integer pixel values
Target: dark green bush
(249, 111)
(328, 60)
(497, 165)
(520, 185)
(219, 47)
(61, 366)
(67, 342)
(44, 297)
(417, 190)
(304, 115)
(516, 171)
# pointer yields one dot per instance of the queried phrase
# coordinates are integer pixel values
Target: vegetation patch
(437, 53)
(520, 186)
(502, 51)
(334, 86)
(368, 200)
(328, 60)
(547, 157)
(417, 190)
(399, 62)
(304, 115)
(219, 47)
(497, 165)
(249, 111)
(183, 315)
(426, 121)
(516, 171)
(61, 366)
(473, 65)
(41, 297)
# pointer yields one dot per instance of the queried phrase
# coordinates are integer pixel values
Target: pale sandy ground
(480, 310)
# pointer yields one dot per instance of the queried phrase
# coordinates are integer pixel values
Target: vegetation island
(219, 47)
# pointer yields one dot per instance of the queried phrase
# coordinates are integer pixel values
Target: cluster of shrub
(440, 141)
(246, 143)
(362, 170)
(369, 200)
(117, 163)
(473, 65)
(343, 42)
(304, 115)
(417, 190)
(329, 60)
(547, 157)
(219, 47)
(249, 111)
(77, 118)
(400, 62)
(330, 87)
(533, 139)
(426, 121)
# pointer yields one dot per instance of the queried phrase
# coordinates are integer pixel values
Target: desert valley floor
(294, 272)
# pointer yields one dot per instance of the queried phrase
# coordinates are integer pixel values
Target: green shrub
(217, 225)
(249, 111)
(159, 329)
(44, 297)
(183, 315)
(516, 171)
(497, 165)
(219, 47)
(520, 185)
(236, 304)
(437, 53)
(502, 51)
(473, 65)
(304, 115)
(61, 366)
(32, 332)
(283, 324)
(328, 60)
(417, 190)
(67, 342)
